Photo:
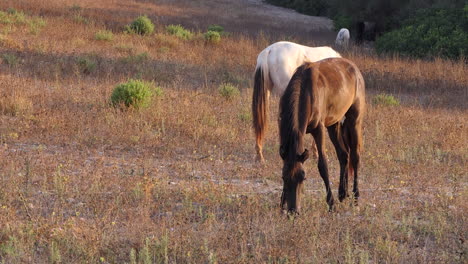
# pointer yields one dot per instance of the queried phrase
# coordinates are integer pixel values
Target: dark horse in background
(328, 94)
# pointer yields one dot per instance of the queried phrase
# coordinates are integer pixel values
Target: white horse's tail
(260, 102)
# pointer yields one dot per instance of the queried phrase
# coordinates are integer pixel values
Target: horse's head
(293, 178)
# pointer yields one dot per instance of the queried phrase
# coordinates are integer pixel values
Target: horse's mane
(294, 111)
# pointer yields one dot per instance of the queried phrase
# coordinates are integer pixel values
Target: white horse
(342, 38)
(275, 66)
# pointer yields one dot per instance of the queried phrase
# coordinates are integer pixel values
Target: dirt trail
(252, 17)
(280, 16)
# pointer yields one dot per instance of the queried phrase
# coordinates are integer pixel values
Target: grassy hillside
(82, 181)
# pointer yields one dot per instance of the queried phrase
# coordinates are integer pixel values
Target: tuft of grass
(246, 116)
(135, 93)
(136, 58)
(9, 59)
(15, 17)
(228, 91)
(386, 100)
(179, 31)
(15, 105)
(142, 25)
(105, 35)
(12, 16)
(212, 37)
(81, 19)
(86, 65)
(36, 24)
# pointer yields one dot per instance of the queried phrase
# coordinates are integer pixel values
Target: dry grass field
(83, 182)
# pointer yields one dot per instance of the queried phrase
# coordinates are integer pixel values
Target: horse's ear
(304, 156)
(282, 152)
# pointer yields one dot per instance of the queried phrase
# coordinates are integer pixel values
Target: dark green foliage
(308, 7)
(386, 14)
(9, 59)
(216, 28)
(432, 32)
(142, 26)
(86, 64)
(134, 93)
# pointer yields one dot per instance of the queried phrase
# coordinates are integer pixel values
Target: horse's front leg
(319, 136)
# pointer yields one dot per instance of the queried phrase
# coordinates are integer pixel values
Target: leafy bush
(104, 35)
(433, 32)
(212, 37)
(134, 93)
(216, 28)
(86, 65)
(142, 25)
(342, 21)
(308, 7)
(386, 100)
(9, 59)
(179, 31)
(228, 91)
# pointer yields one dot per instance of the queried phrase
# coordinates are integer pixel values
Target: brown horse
(327, 94)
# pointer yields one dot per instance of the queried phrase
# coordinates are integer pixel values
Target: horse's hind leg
(318, 134)
(342, 152)
(353, 132)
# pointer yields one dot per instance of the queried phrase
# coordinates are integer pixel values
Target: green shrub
(386, 100)
(341, 21)
(212, 37)
(87, 65)
(9, 59)
(308, 7)
(246, 116)
(216, 28)
(179, 31)
(135, 93)
(228, 91)
(104, 35)
(433, 32)
(142, 25)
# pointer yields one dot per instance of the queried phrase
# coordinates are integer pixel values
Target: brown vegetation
(81, 181)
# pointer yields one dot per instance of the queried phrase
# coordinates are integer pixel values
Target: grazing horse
(342, 38)
(320, 95)
(275, 66)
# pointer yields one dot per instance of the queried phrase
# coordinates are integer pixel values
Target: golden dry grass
(81, 181)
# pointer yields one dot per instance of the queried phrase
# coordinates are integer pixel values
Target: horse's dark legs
(355, 158)
(342, 154)
(352, 129)
(318, 134)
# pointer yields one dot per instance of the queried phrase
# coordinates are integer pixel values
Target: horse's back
(338, 83)
(282, 58)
